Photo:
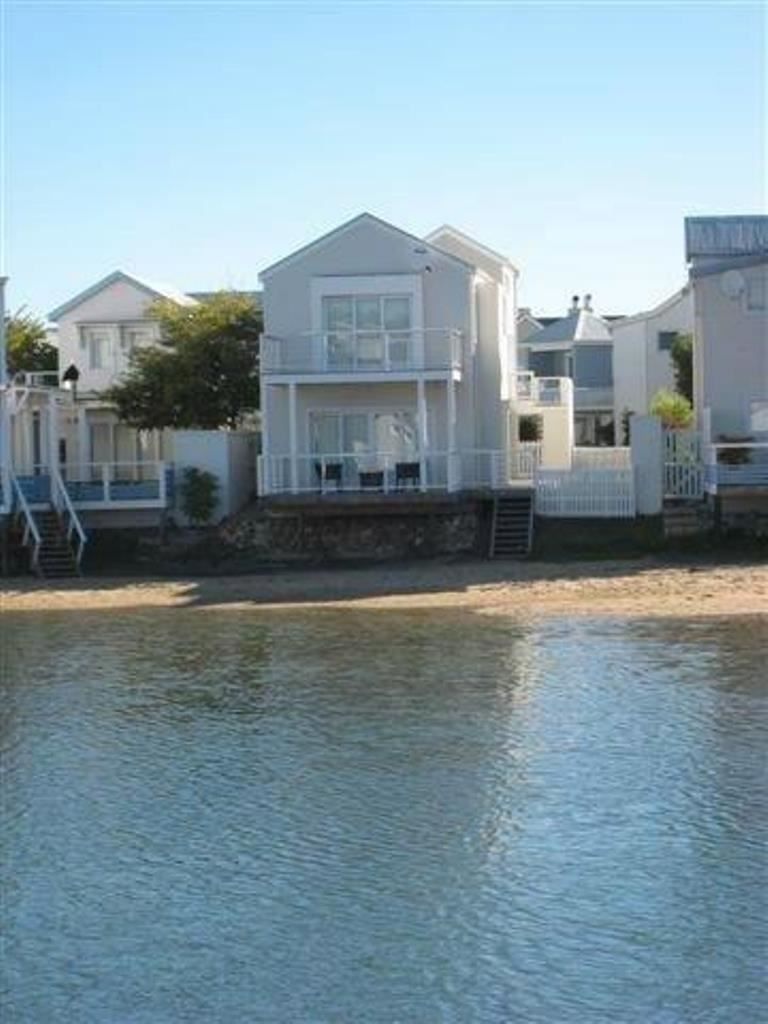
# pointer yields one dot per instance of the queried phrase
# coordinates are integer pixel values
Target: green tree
(27, 346)
(674, 410)
(204, 375)
(681, 354)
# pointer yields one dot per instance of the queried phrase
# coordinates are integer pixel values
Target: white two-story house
(642, 346)
(388, 363)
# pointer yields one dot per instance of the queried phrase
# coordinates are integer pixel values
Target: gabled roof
(657, 310)
(360, 218)
(155, 291)
(581, 325)
(460, 236)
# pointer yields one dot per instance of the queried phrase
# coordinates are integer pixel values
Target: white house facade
(389, 363)
(642, 343)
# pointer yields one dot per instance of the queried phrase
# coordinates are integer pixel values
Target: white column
(292, 437)
(421, 404)
(452, 468)
(264, 484)
(83, 438)
(53, 435)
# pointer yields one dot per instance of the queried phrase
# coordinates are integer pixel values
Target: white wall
(640, 370)
(229, 455)
(730, 353)
(119, 302)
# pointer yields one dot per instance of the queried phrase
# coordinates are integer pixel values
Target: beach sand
(643, 587)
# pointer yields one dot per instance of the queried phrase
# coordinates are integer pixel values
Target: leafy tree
(203, 376)
(27, 346)
(681, 354)
(198, 495)
(674, 410)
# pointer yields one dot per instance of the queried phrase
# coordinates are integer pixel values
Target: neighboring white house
(642, 343)
(728, 266)
(389, 361)
(579, 346)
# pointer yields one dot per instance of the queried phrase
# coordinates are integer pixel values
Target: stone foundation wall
(368, 536)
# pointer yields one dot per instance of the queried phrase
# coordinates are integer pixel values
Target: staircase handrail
(59, 491)
(30, 526)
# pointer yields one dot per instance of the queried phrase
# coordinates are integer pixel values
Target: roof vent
(587, 303)
(574, 304)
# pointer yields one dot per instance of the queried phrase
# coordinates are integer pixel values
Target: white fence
(601, 458)
(524, 460)
(683, 464)
(586, 493)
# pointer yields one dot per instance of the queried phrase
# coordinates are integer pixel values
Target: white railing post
(163, 484)
(105, 482)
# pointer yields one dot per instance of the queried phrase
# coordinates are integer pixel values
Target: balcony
(532, 391)
(104, 485)
(736, 465)
(360, 353)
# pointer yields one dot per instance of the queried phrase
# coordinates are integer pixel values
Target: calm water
(382, 817)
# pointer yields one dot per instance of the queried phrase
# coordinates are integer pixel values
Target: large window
(362, 433)
(96, 341)
(367, 331)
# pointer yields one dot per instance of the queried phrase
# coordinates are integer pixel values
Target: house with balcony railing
(728, 270)
(68, 465)
(389, 364)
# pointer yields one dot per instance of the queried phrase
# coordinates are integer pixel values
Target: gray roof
(580, 325)
(205, 296)
(713, 237)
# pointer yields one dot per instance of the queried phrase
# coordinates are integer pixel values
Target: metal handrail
(30, 526)
(75, 526)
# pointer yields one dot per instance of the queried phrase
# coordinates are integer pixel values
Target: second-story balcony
(532, 391)
(363, 352)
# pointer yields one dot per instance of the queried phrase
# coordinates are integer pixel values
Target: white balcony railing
(736, 464)
(99, 485)
(362, 352)
(380, 472)
(548, 391)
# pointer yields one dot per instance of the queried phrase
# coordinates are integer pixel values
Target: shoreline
(646, 587)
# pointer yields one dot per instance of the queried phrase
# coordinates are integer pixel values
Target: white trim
(662, 307)
(459, 236)
(329, 236)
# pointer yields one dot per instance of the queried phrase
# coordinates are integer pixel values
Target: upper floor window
(132, 338)
(96, 343)
(367, 331)
(666, 340)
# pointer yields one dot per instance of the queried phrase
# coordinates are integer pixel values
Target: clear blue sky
(194, 144)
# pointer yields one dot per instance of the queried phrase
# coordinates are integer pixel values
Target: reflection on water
(381, 817)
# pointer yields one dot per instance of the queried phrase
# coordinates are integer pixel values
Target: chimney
(574, 305)
(587, 303)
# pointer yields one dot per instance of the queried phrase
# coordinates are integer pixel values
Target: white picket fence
(683, 464)
(586, 493)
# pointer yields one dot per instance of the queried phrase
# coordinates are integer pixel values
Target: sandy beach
(644, 587)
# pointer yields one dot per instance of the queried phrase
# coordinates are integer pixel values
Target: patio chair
(328, 473)
(371, 480)
(407, 474)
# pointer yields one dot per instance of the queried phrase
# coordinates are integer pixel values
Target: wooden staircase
(56, 559)
(512, 527)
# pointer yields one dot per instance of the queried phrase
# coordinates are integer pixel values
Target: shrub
(673, 410)
(198, 492)
(529, 428)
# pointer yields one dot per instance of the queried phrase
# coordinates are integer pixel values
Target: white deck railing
(381, 472)
(736, 464)
(362, 352)
(601, 458)
(683, 464)
(96, 485)
(524, 460)
(62, 502)
(547, 391)
(31, 534)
